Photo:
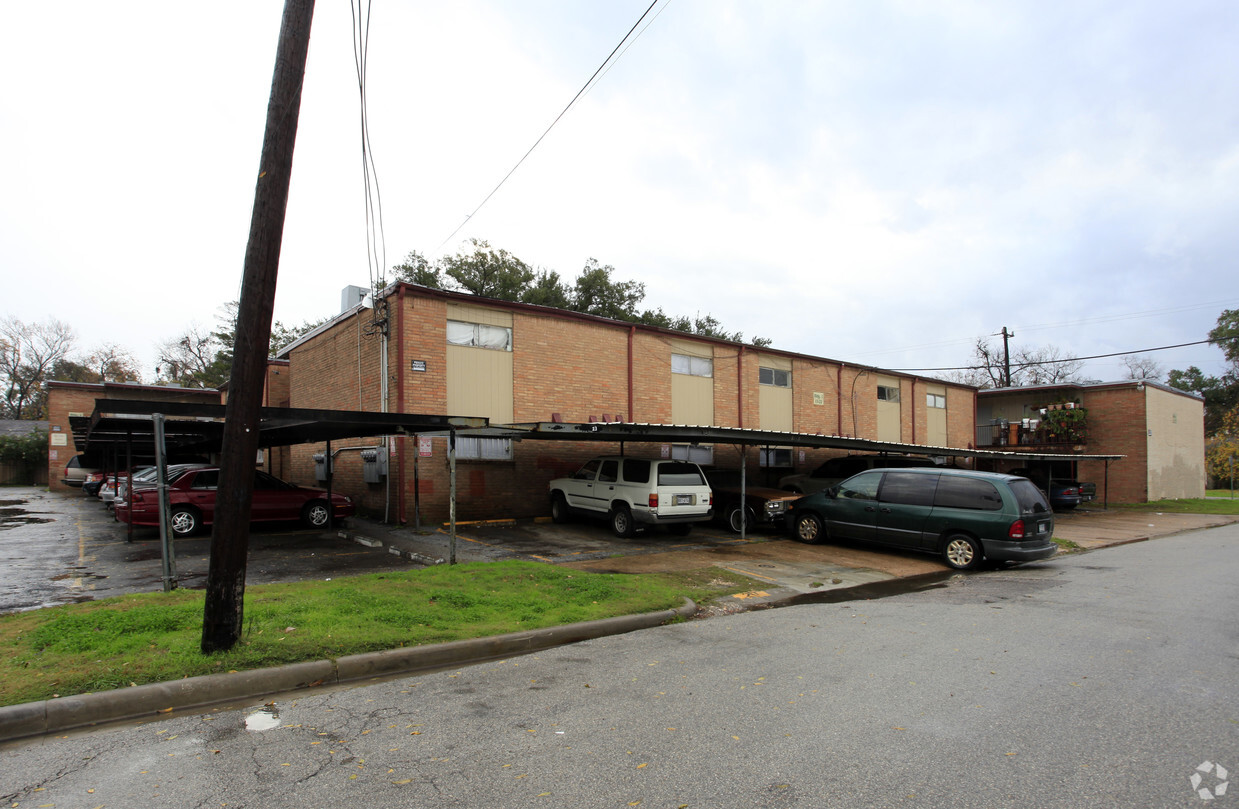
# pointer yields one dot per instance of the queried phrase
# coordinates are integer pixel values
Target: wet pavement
(58, 548)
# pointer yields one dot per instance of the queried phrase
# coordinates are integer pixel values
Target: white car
(634, 492)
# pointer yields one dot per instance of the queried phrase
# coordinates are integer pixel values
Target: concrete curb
(69, 713)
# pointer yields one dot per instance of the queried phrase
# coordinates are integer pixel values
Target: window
(636, 470)
(935, 400)
(774, 376)
(693, 366)
(909, 490)
(970, 493)
(696, 454)
(479, 335)
(861, 487)
(774, 457)
(483, 449)
(888, 393)
(609, 472)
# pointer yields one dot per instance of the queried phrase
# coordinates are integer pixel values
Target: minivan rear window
(1030, 498)
(970, 493)
(680, 474)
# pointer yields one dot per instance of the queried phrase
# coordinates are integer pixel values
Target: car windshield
(1030, 498)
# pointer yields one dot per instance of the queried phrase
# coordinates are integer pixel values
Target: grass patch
(154, 637)
(1197, 505)
(1066, 545)
(1222, 493)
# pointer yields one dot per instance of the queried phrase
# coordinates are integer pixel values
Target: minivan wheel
(962, 552)
(809, 529)
(621, 521)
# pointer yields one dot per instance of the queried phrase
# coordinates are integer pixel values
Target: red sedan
(191, 498)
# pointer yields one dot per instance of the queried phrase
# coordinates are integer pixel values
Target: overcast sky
(876, 182)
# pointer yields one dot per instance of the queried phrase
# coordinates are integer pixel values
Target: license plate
(1043, 527)
(683, 499)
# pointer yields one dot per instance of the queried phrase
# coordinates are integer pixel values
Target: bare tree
(191, 359)
(114, 363)
(1144, 369)
(1047, 365)
(28, 352)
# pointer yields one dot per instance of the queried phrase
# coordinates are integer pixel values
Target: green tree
(489, 272)
(1222, 448)
(596, 293)
(1221, 393)
(415, 269)
(547, 290)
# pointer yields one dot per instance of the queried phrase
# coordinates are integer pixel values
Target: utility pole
(223, 613)
(1006, 357)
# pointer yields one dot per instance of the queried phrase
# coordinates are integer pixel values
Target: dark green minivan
(964, 516)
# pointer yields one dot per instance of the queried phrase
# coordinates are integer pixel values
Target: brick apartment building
(460, 355)
(67, 400)
(1160, 430)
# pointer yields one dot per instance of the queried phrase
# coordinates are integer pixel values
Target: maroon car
(191, 498)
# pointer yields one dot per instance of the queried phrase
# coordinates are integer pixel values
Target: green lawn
(152, 637)
(1215, 502)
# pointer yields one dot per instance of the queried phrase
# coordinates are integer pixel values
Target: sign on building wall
(59, 440)
(425, 446)
(417, 365)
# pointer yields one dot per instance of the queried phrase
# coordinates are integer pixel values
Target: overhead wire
(376, 244)
(1068, 359)
(575, 98)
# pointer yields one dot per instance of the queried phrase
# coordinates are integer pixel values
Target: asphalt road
(1099, 679)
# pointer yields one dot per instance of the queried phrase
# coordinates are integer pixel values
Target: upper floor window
(775, 457)
(693, 366)
(888, 393)
(937, 400)
(479, 335)
(774, 376)
(469, 448)
(693, 452)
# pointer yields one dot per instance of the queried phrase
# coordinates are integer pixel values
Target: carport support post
(451, 506)
(128, 482)
(165, 532)
(744, 501)
(331, 511)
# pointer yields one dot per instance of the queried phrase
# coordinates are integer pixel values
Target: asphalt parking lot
(57, 548)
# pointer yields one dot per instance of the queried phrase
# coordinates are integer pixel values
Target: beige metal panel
(479, 383)
(690, 347)
(935, 418)
(775, 407)
(890, 417)
(479, 314)
(771, 361)
(692, 399)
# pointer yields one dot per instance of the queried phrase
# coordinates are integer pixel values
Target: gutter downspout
(839, 399)
(402, 446)
(914, 410)
(384, 392)
(632, 335)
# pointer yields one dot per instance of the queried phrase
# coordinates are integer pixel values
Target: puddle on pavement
(877, 589)
(265, 718)
(11, 516)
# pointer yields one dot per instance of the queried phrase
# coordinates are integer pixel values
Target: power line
(376, 243)
(579, 93)
(1067, 359)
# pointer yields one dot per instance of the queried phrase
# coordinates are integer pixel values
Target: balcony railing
(1003, 433)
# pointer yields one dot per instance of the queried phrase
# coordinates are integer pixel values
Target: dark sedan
(191, 498)
(765, 506)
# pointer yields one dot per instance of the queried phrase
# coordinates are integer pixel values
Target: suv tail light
(653, 500)
(1016, 531)
(1071, 491)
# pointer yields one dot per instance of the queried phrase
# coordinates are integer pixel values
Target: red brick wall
(575, 367)
(1117, 425)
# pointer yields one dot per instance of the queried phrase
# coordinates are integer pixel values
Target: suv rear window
(970, 493)
(1029, 497)
(680, 474)
(636, 470)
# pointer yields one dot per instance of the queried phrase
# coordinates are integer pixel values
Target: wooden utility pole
(223, 614)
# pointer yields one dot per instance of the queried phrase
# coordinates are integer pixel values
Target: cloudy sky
(877, 182)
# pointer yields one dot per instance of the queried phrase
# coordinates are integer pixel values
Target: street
(1105, 678)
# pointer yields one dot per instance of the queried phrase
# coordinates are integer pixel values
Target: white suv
(635, 491)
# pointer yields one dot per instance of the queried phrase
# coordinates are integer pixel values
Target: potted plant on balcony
(1064, 426)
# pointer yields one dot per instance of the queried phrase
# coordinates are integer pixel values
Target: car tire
(621, 522)
(681, 529)
(962, 552)
(559, 509)
(809, 529)
(185, 521)
(733, 519)
(315, 514)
